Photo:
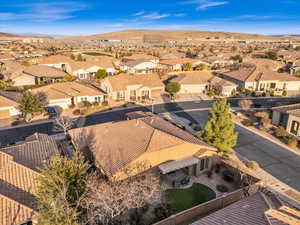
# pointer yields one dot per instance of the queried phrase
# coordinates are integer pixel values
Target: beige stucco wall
(192, 89)
(289, 125)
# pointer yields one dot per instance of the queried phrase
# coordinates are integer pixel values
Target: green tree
(173, 88)
(72, 56)
(271, 55)
(3, 84)
(201, 66)
(80, 58)
(59, 189)
(30, 104)
(297, 48)
(101, 74)
(219, 130)
(187, 67)
(25, 63)
(69, 78)
(238, 58)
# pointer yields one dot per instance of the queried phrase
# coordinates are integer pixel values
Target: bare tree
(64, 123)
(245, 104)
(106, 201)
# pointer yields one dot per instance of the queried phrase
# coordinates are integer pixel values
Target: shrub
(163, 211)
(222, 188)
(228, 176)
(247, 123)
(280, 132)
(72, 106)
(76, 112)
(284, 93)
(105, 103)
(252, 165)
(95, 103)
(292, 142)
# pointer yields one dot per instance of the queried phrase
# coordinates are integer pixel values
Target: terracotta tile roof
(121, 81)
(13, 213)
(18, 173)
(139, 56)
(67, 90)
(123, 142)
(44, 71)
(181, 61)
(6, 102)
(55, 59)
(200, 77)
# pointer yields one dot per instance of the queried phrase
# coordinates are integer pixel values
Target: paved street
(276, 160)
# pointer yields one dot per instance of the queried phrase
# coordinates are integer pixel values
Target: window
(202, 164)
(83, 99)
(273, 85)
(98, 99)
(206, 163)
(295, 127)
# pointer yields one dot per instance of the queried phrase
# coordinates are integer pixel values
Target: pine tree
(219, 130)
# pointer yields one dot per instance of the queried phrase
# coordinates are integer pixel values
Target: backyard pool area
(184, 198)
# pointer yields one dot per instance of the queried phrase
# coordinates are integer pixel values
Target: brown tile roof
(121, 81)
(123, 142)
(67, 90)
(253, 73)
(44, 71)
(290, 109)
(6, 102)
(248, 211)
(35, 152)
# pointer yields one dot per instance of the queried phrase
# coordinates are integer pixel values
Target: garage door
(156, 93)
(4, 113)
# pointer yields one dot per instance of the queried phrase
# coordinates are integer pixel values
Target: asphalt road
(276, 160)
(18, 133)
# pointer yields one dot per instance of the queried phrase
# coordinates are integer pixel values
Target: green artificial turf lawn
(182, 199)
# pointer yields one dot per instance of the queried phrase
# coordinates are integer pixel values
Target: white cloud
(41, 12)
(204, 4)
(255, 17)
(208, 4)
(179, 14)
(156, 16)
(139, 13)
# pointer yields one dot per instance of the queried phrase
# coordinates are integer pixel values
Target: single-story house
(36, 74)
(20, 167)
(127, 148)
(287, 116)
(197, 82)
(133, 87)
(216, 62)
(262, 79)
(177, 64)
(139, 66)
(8, 108)
(69, 93)
(144, 57)
(57, 61)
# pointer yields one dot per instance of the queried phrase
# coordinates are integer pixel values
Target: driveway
(276, 160)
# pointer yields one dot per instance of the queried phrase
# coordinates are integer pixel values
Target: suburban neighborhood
(141, 119)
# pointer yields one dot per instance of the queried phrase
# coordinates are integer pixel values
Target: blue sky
(81, 17)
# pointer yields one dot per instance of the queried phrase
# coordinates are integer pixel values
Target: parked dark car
(52, 112)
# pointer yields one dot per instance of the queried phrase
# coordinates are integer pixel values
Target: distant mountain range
(138, 35)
